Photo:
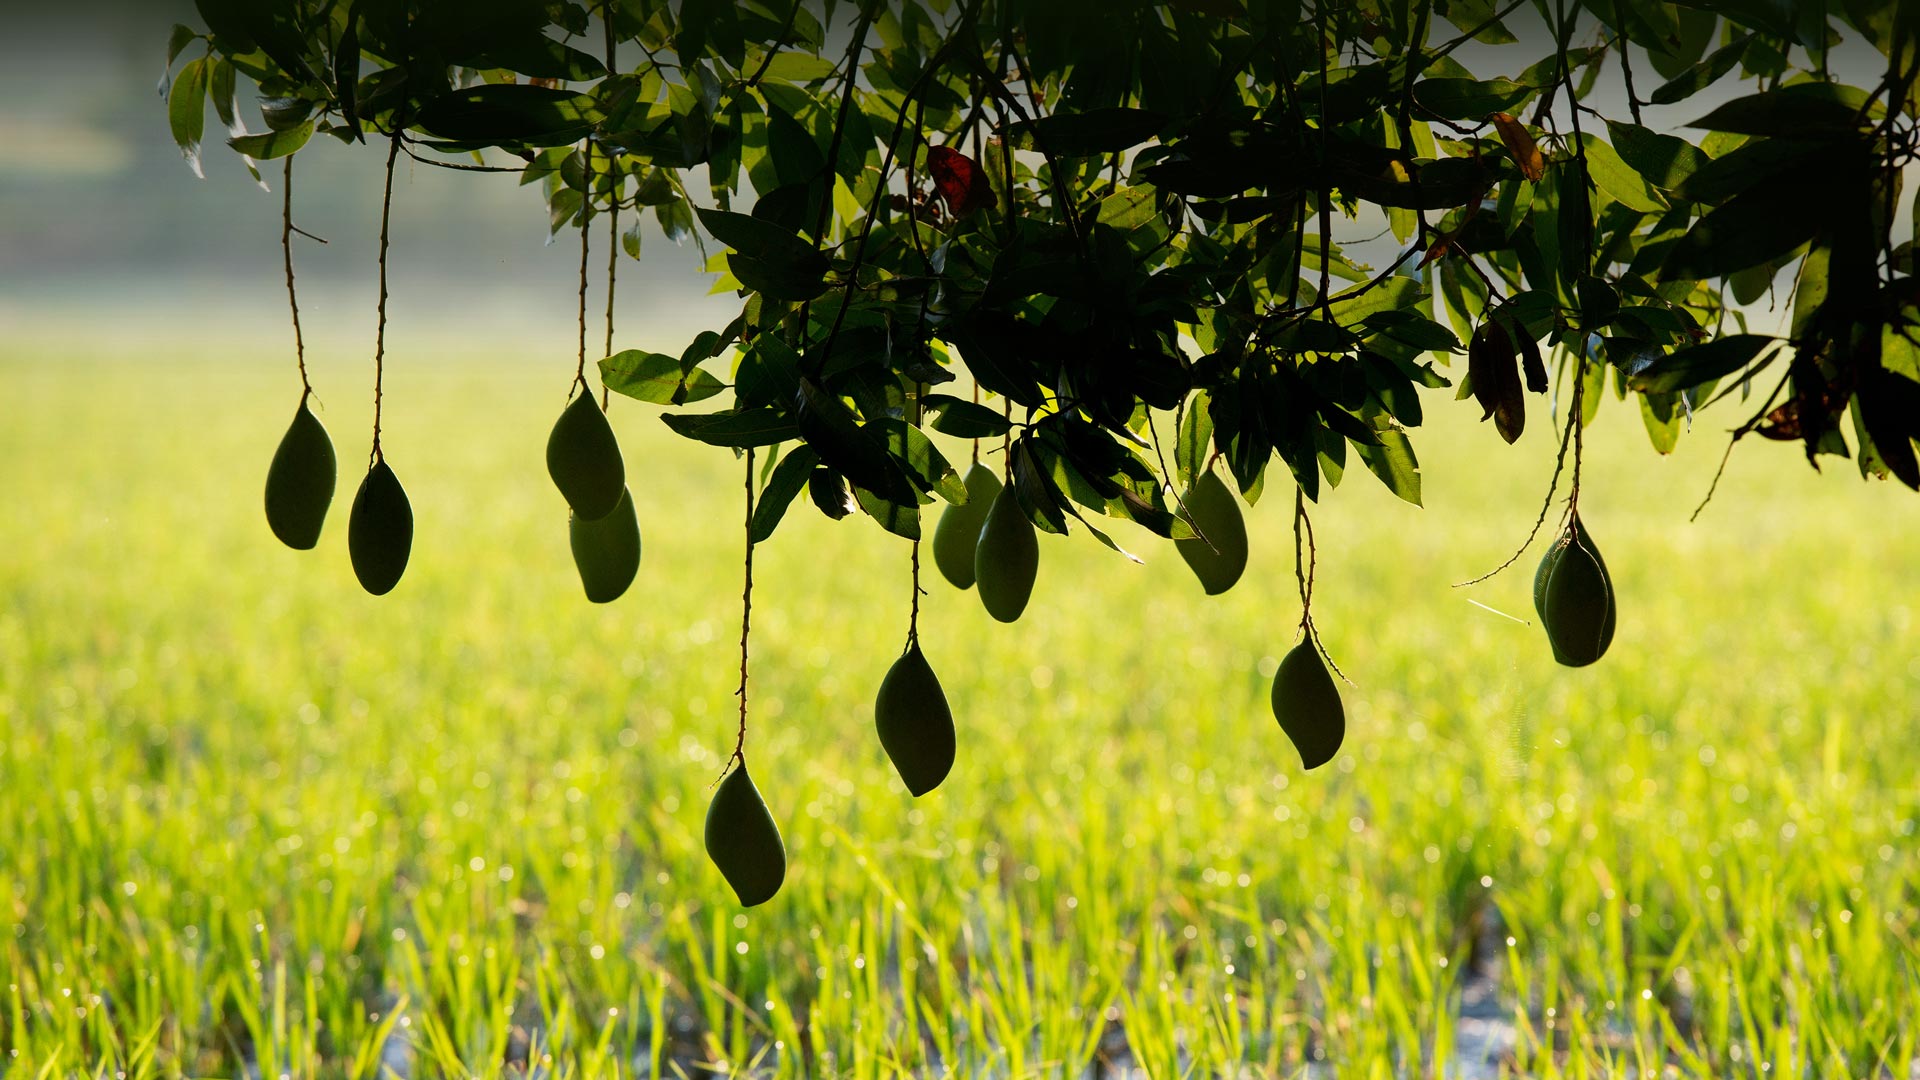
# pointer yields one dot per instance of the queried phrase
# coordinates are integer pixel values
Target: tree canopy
(1097, 212)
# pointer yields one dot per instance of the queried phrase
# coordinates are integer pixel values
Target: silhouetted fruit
(743, 841)
(1007, 558)
(606, 551)
(1574, 594)
(583, 458)
(957, 536)
(915, 725)
(380, 530)
(1219, 554)
(300, 482)
(1307, 704)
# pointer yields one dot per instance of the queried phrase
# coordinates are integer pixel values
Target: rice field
(255, 822)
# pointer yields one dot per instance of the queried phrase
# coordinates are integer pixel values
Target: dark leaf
(1470, 99)
(963, 419)
(510, 114)
(830, 428)
(788, 478)
(828, 490)
(738, 428)
(1696, 364)
(1082, 134)
(1806, 110)
(1493, 368)
(1701, 75)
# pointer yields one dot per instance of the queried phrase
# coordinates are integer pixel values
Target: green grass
(253, 818)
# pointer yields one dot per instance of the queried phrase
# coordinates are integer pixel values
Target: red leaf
(959, 180)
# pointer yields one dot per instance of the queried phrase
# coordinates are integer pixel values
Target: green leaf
(738, 428)
(1615, 177)
(179, 39)
(963, 419)
(1349, 308)
(1394, 463)
(1470, 99)
(1662, 160)
(788, 478)
(1195, 444)
(506, 114)
(1696, 364)
(1129, 208)
(1084, 134)
(187, 110)
(273, 144)
(656, 378)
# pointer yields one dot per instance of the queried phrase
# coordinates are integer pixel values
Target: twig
(586, 205)
(380, 324)
(613, 207)
(293, 301)
(1559, 460)
(746, 626)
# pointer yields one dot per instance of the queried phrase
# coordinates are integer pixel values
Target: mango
(1307, 704)
(743, 841)
(300, 482)
(915, 724)
(1218, 555)
(957, 536)
(380, 530)
(607, 551)
(1007, 558)
(583, 458)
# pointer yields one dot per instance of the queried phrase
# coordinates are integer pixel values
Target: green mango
(1575, 599)
(300, 482)
(957, 537)
(1007, 558)
(915, 725)
(607, 551)
(583, 458)
(743, 841)
(380, 530)
(1218, 555)
(1307, 704)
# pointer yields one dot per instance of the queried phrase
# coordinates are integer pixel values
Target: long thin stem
(1559, 461)
(746, 626)
(1302, 567)
(380, 324)
(613, 203)
(293, 300)
(586, 203)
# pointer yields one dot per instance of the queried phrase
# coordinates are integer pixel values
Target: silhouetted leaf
(788, 478)
(738, 428)
(1696, 364)
(1096, 131)
(963, 419)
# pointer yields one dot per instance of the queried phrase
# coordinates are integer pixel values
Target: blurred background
(253, 821)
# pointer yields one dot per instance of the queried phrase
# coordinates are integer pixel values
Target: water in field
(251, 818)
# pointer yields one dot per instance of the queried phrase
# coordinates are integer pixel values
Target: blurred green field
(255, 821)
